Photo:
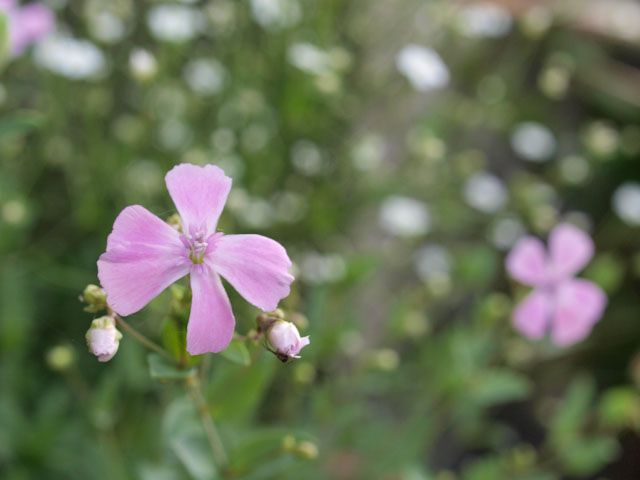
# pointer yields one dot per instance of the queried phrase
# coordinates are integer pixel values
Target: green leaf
(186, 438)
(499, 386)
(4, 39)
(20, 123)
(162, 369)
(237, 352)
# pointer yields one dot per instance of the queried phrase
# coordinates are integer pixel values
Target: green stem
(141, 338)
(213, 437)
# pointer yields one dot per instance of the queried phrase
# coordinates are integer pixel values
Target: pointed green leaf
(162, 369)
(237, 353)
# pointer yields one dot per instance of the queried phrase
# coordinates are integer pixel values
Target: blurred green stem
(215, 442)
(141, 338)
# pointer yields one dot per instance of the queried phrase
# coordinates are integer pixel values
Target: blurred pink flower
(27, 24)
(145, 255)
(568, 306)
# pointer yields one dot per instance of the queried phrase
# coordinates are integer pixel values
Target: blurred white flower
(318, 268)
(205, 76)
(368, 152)
(506, 232)
(485, 192)
(404, 216)
(290, 207)
(574, 169)
(432, 262)
(142, 64)
(309, 58)
(423, 67)
(174, 23)
(533, 141)
(107, 27)
(626, 203)
(276, 15)
(307, 158)
(70, 57)
(484, 20)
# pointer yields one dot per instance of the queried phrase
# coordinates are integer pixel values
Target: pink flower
(27, 25)
(285, 339)
(568, 306)
(145, 255)
(103, 338)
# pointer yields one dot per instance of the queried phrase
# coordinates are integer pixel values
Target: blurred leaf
(237, 352)
(588, 455)
(572, 412)
(162, 369)
(4, 38)
(477, 265)
(620, 408)
(20, 123)
(499, 386)
(186, 437)
(607, 271)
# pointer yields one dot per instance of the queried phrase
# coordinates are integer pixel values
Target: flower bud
(103, 338)
(95, 298)
(285, 340)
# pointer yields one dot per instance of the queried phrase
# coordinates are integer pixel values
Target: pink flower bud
(285, 340)
(103, 338)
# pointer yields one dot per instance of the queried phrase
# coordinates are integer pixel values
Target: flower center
(197, 246)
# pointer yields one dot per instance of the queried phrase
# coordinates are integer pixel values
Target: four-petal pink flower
(568, 306)
(145, 255)
(27, 24)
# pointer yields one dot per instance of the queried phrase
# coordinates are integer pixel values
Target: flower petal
(531, 317)
(579, 305)
(527, 262)
(30, 23)
(144, 256)
(199, 194)
(570, 249)
(211, 322)
(256, 266)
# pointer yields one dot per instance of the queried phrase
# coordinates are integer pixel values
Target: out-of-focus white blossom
(70, 57)
(174, 23)
(107, 27)
(317, 268)
(432, 260)
(309, 58)
(307, 158)
(205, 76)
(142, 64)
(533, 142)
(404, 216)
(484, 20)
(506, 232)
(485, 192)
(626, 203)
(368, 152)
(274, 15)
(423, 67)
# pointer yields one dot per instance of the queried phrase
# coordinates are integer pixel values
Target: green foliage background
(406, 377)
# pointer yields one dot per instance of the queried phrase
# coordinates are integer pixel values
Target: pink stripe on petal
(570, 250)
(256, 266)
(531, 317)
(199, 194)
(211, 322)
(144, 256)
(579, 305)
(527, 262)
